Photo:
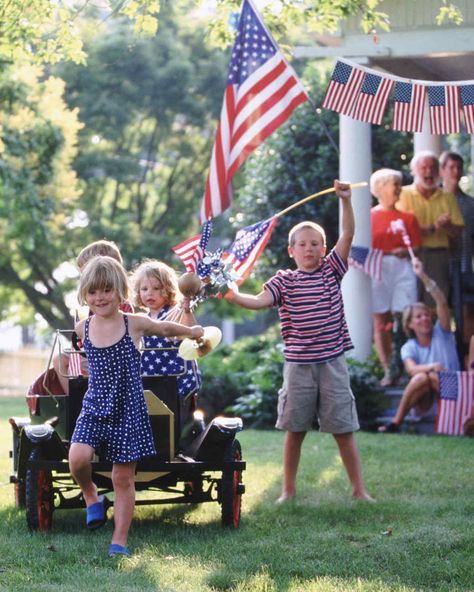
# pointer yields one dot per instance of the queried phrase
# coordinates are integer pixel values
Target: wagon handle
(45, 386)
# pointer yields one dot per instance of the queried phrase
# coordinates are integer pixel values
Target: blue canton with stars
(371, 84)
(252, 48)
(163, 360)
(202, 269)
(342, 73)
(403, 91)
(436, 96)
(448, 385)
(359, 254)
(467, 94)
(247, 238)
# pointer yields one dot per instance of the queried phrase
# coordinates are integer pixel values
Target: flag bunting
(365, 94)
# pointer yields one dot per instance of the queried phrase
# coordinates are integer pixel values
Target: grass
(417, 537)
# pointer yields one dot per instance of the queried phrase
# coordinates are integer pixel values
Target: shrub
(244, 379)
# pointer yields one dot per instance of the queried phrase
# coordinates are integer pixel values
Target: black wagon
(195, 462)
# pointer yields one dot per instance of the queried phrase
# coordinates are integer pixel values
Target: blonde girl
(114, 415)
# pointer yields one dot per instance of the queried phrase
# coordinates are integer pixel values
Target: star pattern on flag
(403, 92)
(448, 382)
(247, 238)
(252, 48)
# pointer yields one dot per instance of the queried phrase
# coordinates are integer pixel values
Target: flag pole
(314, 195)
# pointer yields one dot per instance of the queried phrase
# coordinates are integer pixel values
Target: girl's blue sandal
(118, 550)
(97, 513)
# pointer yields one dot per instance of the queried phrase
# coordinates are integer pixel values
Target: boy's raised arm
(344, 243)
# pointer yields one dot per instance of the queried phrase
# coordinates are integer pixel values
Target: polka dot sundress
(161, 358)
(114, 415)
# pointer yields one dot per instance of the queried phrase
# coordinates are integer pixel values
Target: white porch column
(425, 140)
(355, 164)
(228, 331)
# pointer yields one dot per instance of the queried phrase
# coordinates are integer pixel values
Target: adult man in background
(462, 274)
(439, 218)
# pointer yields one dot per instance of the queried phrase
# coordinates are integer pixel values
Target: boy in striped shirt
(315, 335)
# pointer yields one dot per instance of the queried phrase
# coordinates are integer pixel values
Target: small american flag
(191, 251)
(367, 260)
(248, 246)
(399, 226)
(456, 400)
(75, 366)
(343, 88)
(262, 92)
(444, 109)
(372, 99)
(408, 107)
(467, 102)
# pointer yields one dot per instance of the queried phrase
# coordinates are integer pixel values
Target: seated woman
(430, 349)
(397, 287)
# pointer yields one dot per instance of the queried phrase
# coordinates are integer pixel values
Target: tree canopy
(50, 30)
(38, 188)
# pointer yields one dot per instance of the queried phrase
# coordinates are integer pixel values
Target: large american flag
(367, 260)
(444, 109)
(408, 107)
(191, 251)
(372, 99)
(456, 399)
(248, 246)
(467, 101)
(343, 87)
(262, 92)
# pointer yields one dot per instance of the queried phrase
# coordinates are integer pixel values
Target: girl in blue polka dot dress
(155, 288)
(114, 413)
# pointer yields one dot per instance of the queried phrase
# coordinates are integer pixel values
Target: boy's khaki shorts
(317, 390)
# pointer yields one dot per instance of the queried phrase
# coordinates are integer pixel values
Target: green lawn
(418, 536)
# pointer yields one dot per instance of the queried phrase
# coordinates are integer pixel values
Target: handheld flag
(456, 401)
(367, 260)
(248, 246)
(191, 251)
(262, 92)
(399, 226)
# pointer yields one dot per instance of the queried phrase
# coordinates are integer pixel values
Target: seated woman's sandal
(389, 428)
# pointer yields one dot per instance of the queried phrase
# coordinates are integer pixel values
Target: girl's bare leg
(80, 456)
(123, 479)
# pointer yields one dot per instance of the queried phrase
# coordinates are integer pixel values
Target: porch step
(412, 425)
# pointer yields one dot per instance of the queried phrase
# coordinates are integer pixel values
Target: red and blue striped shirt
(311, 310)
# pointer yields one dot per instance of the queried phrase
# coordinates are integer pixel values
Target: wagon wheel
(231, 488)
(39, 497)
(20, 493)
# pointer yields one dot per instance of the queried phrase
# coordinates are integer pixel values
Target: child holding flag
(315, 334)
